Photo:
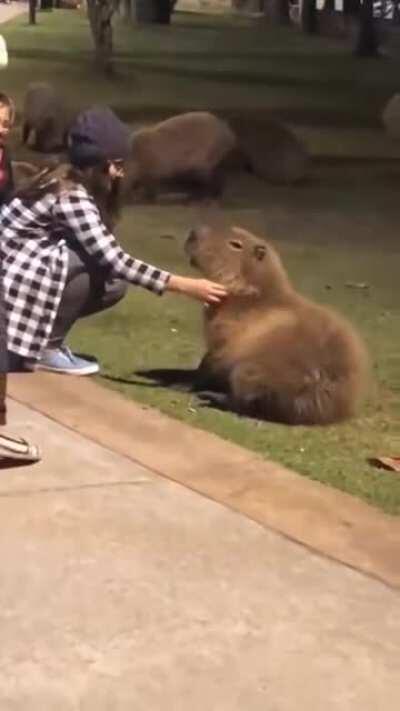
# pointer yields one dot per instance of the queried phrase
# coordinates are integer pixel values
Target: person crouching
(60, 259)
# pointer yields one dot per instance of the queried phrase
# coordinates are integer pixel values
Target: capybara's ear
(259, 252)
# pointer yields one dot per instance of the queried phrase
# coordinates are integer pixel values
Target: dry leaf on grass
(357, 285)
(390, 463)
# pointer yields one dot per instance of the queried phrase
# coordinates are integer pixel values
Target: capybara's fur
(46, 115)
(271, 150)
(273, 354)
(189, 149)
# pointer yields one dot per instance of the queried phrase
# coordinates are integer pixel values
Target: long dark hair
(61, 177)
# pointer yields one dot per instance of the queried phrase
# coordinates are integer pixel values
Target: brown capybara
(271, 151)
(272, 353)
(47, 116)
(189, 149)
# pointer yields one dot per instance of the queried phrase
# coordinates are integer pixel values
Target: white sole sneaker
(90, 369)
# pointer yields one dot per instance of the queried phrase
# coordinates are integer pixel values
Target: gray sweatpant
(88, 290)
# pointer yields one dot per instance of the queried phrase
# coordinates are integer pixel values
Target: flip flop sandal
(17, 448)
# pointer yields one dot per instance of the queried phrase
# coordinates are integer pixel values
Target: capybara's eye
(260, 252)
(236, 244)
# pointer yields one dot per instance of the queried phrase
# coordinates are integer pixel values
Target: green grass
(341, 226)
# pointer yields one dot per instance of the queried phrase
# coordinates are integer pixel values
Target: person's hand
(201, 289)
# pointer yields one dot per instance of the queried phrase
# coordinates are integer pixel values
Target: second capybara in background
(188, 149)
(271, 150)
(271, 352)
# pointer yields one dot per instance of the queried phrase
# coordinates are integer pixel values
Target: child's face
(5, 123)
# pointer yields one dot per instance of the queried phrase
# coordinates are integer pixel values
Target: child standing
(11, 448)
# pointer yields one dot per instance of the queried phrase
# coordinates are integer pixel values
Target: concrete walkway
(121, 591)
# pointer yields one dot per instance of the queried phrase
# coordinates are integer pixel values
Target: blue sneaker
(62, 360)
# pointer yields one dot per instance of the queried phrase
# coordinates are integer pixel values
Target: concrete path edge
(325, 520)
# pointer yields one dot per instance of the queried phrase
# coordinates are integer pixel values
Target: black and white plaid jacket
(34, 260)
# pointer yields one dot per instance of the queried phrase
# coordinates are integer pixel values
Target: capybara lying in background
(271, 353)
(188, 149)
(272, 151)
(47, 116)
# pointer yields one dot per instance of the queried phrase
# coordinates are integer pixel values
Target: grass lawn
(341, 227)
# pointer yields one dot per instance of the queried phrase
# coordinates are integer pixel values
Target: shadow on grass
(257, 118)
(247, 78)
(181, 379)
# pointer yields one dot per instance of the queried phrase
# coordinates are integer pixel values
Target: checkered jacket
(34, 257)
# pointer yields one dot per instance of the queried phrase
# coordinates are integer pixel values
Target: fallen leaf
(390, 463)
(357, 285)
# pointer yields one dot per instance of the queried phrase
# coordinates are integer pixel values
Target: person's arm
(200, 289)
(79, 213)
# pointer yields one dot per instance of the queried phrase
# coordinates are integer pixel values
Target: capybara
(272, 353)
(271, 150)
(47, 116)
(189, 149)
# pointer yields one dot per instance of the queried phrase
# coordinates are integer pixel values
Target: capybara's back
(276, 354)
(307, 367)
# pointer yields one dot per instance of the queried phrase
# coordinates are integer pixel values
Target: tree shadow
(256, 120)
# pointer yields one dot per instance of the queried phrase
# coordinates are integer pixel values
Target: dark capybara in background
(188, 149)
(271, 353)
(271, 151)
(45, 114)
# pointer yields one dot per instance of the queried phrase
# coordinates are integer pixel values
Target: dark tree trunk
(153, 11)
(100, 17)
(309, 17)
(127, 9)
(368, 37)
(277, 11)
(352, 8)
(163, 14)
(32, 12)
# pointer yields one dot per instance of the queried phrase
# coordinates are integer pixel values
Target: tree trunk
(163, 14)
(127, 9)
(368, 39)
(100, 14)
(32, 12)
(309, 16)
(277, 11)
